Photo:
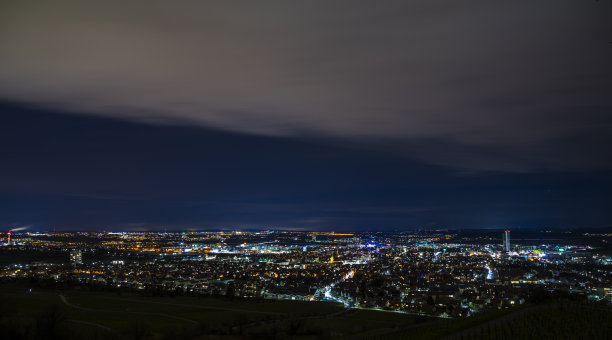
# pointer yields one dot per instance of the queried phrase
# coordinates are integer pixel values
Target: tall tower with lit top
(506, 240)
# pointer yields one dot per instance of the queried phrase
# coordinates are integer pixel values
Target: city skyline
(411, 170)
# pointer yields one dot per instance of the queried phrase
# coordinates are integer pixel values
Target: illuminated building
(506, 240)
(76, 257)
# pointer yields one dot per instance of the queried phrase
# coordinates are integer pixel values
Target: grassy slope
(239, 318)
(158, 314)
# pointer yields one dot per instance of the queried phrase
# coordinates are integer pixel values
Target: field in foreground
(54, 314)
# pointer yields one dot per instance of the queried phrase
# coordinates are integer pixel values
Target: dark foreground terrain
(74, 314)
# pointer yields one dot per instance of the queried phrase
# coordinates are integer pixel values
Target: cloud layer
(475, 85)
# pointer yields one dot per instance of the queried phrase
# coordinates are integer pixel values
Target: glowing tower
(506, 240)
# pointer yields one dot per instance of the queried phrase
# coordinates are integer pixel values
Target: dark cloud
(94, 173)
(474, 85)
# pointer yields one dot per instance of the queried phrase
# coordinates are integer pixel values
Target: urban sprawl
(437, 273)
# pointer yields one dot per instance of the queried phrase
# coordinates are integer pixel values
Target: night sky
(319, 115)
